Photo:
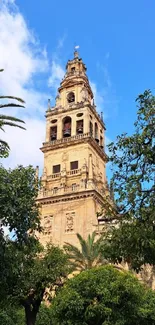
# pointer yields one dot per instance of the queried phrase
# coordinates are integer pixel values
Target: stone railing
(74, 172)
(53, 176)
(68, 190)
(68, 139)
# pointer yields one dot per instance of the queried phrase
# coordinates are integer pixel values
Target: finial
(37, 173)
(76, 54)
(102, 116)
(49, 104)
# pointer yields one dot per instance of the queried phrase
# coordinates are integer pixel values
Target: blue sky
(116, 40)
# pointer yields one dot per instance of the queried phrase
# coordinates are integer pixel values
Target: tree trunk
(30, 315)
(31, 310)
(31, 306)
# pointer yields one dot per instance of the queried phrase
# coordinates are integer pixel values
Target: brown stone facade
(74, 176)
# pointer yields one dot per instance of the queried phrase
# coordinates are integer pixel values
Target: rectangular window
(55, 190)
(74, 165)
(74, 187)
(56, 169)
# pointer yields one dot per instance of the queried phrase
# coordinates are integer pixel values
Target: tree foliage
(11, 315)
(89, 255)
(104, 296)
(38, 278)
(133, 159)
(133, 164)
(20, 215)
(18, 209)
(26, 269)
(44, 316)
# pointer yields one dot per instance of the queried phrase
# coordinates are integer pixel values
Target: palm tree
(9, 120)
(89, 255)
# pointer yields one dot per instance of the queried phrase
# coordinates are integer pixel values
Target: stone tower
(74, 176)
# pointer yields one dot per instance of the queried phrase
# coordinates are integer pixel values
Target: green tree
(26, 269)
(44, 316)
(20, 214)
(89, 254)
(104, 296)
(18, 209)
(37, 277)
(12, 315)
(8, 120)
(133, 165)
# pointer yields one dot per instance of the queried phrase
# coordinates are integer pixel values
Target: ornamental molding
(72, 141)
(71, 197)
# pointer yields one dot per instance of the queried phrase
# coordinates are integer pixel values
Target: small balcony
(74, 172)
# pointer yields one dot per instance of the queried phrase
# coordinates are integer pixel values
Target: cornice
(59, 110)
(71, 197)
(72, 141)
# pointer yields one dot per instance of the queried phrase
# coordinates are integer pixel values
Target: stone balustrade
(68, 139)
(74, 172)
(68, 190)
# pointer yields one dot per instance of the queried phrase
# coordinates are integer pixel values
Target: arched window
(101, 142)
(91, 128)
(71, 97)
(53, 133)
(79, 127)
(66, 127)
(96, 133)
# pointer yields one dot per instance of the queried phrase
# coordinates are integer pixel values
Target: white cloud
(22, 59)
(57, 74)
(25, 144)
(61, 41)
(98, 97)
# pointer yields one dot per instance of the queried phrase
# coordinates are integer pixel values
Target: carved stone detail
(47, 225)
(70, 222)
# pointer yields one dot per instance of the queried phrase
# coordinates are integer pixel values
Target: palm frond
(93, 236)
(4, 143)
(10, 105)
(72, 250)
(84, 246)
(13, 124)
(10, 118)
(1, 127)
(12, 97)
(75, 256)
(89, 254)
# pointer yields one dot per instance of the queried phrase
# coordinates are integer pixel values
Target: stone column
(59, 129)
(73, 126)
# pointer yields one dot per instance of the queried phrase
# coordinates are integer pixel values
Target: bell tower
(74, 178)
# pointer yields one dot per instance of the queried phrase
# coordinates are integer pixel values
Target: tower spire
(76, 53)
